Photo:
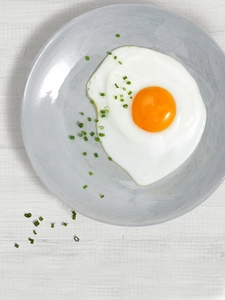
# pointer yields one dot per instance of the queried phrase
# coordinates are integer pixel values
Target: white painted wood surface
(181, 259)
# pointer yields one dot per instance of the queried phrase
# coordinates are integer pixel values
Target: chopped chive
(52, 225)
(121, 100)
(115, 97)
(81, 113)
(101, 127)
(120, 62)
(102, 196)
(125, 106)
(27, 215)
(74, 215)
(110, 53)
(89, 119)
(92, 102)
(101, 134)
(36, 223)
(31, 240)
(92, 133)
(80, 134)
(16, 245)
(102, 94)
(118, 35)
(116, 85)
(81, 125)
(125, 77)
(96, 154)
(110, 158)
(115, 57)
(87, 57)
(90, 173)
(124, 88)
(121, 96)
(129, 93)
(41, 218)
(71, 137)
(96, 120)
(103, 116)
(128, 82)
(35, 232)
(131, 97)
(76, 238)
(84, 132)
(85, 138)
(85, 186)
(97, 139)
(84, 153)
(104, 111)
(64, 224)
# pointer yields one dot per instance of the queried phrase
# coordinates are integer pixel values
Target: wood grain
(182, 259)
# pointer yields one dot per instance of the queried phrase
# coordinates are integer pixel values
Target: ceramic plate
(55, 95)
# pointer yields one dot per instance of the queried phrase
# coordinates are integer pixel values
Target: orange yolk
(153, 109)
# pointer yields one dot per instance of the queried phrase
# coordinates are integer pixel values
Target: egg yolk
(153, 109)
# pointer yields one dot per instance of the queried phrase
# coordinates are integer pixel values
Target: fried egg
(151, 115)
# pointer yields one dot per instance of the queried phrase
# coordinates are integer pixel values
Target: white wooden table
(182, 259)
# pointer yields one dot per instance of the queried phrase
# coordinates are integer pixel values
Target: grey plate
(56, 92)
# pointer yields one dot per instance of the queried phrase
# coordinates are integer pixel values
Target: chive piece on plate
(92, 133)
(27, 215)
(31, 240)
(74, 215)
(87, 57)
(85, 186)
(16, 245)
(125, 106)
(52, 225)
(102, 94)
(81, 113)
(76, 238)
(81, 125)
(84, 153)
(101, 134)
(35, 232)
(64, 224)
(118, 35)
(96, 154)
(36, 223)
(41, 218)
(102, 196)
(110, 158)
(90, 173)
(85, 138)
(89, 119)
(71, 137)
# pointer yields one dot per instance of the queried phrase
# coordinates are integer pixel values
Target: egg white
(147, 157)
